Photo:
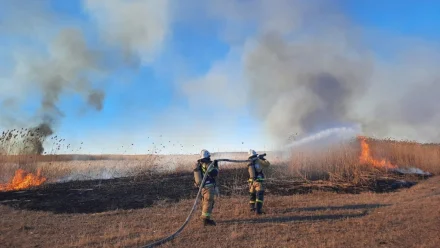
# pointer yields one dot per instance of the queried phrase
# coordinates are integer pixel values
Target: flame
(366, 158)
(23, 180)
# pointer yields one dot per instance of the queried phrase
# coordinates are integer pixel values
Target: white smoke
(298, 66)
(306, 66)
(412, 170)
(94, 174)
(137, 27)
(52, 58)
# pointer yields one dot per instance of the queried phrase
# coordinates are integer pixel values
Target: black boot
(252, 199)
(259, 208)
(252, 207)
(260, 199)
(208, 222)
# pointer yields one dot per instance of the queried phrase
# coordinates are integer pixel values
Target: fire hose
(176, 233)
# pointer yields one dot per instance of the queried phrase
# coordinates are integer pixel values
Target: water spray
(323, 138)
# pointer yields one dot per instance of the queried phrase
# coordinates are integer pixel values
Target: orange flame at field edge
(366, 158)
(23, 180)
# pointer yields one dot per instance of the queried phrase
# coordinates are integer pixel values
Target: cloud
(308, 67)
(51, 60)
(220, 87)
(138, 27)
(297, 66)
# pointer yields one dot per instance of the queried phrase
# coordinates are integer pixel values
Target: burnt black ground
(94, 196)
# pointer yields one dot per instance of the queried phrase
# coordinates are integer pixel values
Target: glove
(216, 163)
(262, 156)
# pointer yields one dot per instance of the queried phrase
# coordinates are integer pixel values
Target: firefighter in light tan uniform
(209, 190)
(256, 181)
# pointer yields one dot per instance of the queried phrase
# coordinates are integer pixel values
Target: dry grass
(408, 154)
(148, 206)
(60, 167)
(341, 162)
(409, 218)
(337, 163)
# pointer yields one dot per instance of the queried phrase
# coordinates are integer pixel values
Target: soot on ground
(94, 196)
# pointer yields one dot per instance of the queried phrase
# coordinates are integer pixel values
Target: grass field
(327, 197)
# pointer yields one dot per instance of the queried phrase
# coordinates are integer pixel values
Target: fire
(366, 158)
(23, 180)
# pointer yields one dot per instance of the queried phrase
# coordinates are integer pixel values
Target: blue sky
(141, 104)
(406, 17)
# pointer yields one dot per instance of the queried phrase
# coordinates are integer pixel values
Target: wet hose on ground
(173, 235)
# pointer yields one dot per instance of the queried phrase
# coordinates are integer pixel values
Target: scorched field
(364, 193)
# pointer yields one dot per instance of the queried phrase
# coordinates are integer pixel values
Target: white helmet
(252, 153)
(205, 154)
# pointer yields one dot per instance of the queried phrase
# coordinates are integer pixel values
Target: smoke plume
(25, 141)
(308, 67)
(34, 141)
(298, 66)
(305, 87)
(66, 62)
(138, 27)
(67, 68)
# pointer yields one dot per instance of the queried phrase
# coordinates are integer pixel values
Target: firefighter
(256, 181)
(209, 190)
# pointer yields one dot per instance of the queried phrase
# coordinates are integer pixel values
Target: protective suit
(209, 188)
(256, 181)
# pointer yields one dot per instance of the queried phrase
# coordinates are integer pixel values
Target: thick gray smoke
(137, 27)
(25, 141)
(303, 87)
(307, 67)
(299, 66)
(65, 62)
(34, 141)
(67, 68)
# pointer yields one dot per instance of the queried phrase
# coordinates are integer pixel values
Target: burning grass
(23, 180)
(151, 195)
(321, 219)
(351, 162)
(367, 158)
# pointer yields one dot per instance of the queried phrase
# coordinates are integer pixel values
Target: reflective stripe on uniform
(259, 200)
(258, 179)
(206, 214)
(204, 168)
(252, 202)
